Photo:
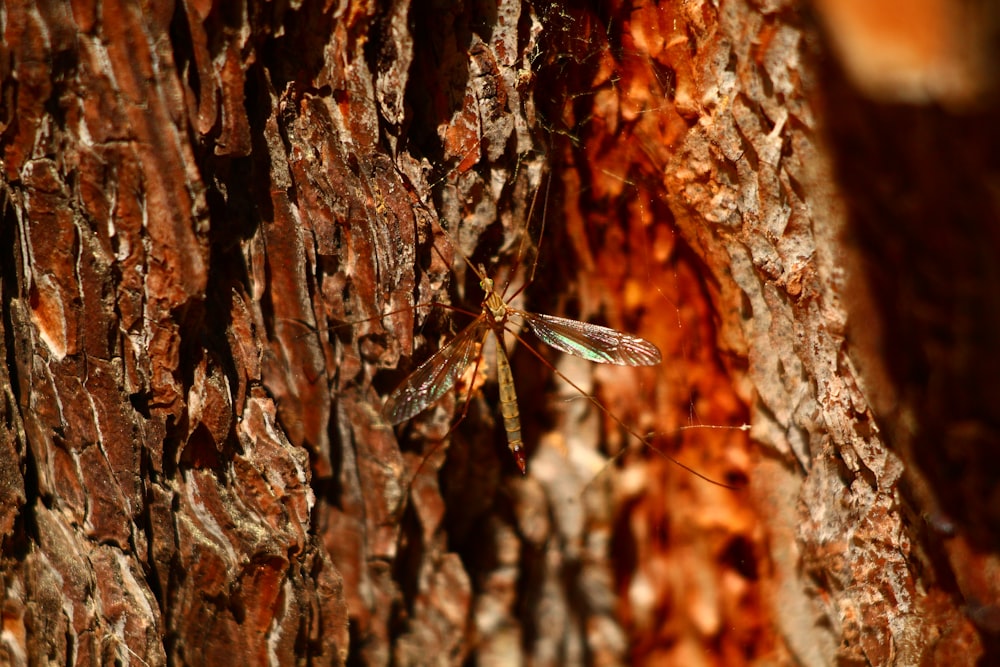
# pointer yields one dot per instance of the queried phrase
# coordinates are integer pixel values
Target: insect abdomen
(508, 406)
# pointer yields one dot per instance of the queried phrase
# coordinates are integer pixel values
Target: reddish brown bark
(218, 220)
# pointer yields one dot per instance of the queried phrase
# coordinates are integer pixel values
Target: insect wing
(435, 376)
(592, 342)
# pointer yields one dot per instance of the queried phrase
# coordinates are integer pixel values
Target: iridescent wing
(592, 342)
(437, 375)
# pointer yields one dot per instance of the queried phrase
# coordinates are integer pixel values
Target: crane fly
(432, 379)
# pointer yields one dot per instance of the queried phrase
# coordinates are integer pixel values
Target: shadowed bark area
(230, 230)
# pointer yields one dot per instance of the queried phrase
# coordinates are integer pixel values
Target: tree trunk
(230, 231)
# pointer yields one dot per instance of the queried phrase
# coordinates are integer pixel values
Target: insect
(437, 375)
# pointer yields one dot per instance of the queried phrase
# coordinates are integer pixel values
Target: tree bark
(229, 231)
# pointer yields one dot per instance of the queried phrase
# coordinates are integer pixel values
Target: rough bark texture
(223, 224)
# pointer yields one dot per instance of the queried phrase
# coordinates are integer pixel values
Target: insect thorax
(493, 305)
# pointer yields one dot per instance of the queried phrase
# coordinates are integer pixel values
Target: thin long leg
(538, 246)
(618, 421)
